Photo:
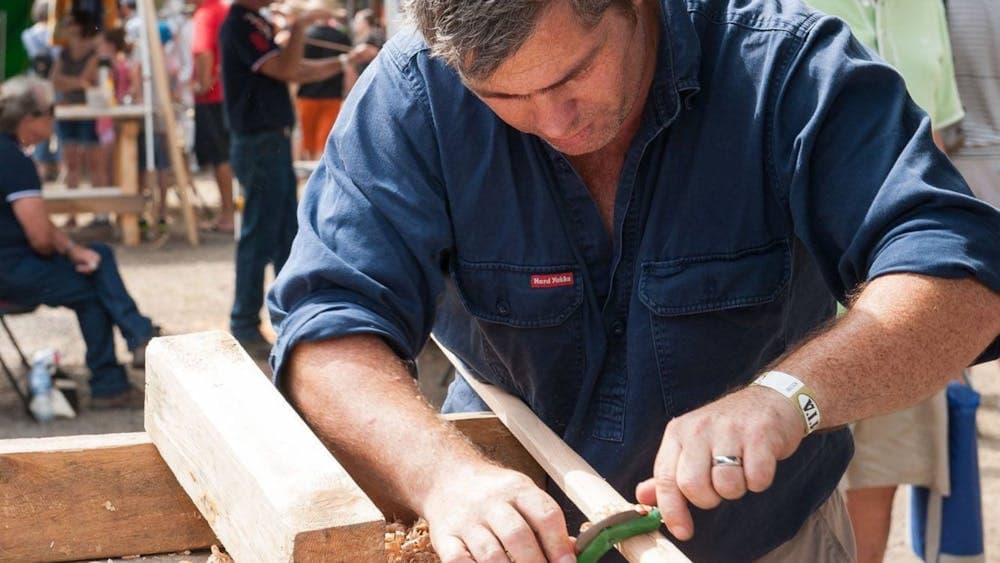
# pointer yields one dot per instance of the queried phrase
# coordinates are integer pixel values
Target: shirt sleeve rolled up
(868, 191)
(373, 226)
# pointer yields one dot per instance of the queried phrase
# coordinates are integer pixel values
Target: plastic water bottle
(40, 382)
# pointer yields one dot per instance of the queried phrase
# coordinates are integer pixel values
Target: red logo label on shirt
(543, 281)
(259, 42)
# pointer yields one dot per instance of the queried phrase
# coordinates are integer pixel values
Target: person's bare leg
(163, 184)
(871, 516)
(224, 178)
(109, 162)
(73, 161)
(97, 166)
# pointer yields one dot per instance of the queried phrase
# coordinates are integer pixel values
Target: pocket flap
(519, 296)
(715, 282)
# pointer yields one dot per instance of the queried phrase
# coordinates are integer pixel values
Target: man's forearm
(357, 396)
(203, 72)
(314, 70)
(903, 339)
(291, 54)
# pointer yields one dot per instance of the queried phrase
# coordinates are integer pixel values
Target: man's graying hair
(20, 97)
(476, 36)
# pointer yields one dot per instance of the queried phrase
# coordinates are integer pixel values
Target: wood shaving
(218, 556)
(409, 545)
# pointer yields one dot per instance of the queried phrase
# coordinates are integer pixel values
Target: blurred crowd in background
(92, 43)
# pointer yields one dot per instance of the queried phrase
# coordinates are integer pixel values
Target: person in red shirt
(211, 136)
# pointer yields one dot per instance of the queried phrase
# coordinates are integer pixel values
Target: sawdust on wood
(409, 545)
(218, 556)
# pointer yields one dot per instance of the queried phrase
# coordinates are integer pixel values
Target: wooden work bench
(94, 497)
(226, 460)
(123, 198)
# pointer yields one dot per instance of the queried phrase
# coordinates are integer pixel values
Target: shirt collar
(678, 61)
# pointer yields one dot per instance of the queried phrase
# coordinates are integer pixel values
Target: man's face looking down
(571, 85)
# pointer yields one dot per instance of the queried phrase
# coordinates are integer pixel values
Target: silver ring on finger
(727, 461)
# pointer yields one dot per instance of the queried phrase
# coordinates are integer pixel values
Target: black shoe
(131, 398)
(139, 352)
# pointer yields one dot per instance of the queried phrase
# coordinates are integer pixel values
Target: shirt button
(618, 328)
(503, 307)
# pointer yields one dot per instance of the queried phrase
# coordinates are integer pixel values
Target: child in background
(120, 51)
(112, 50)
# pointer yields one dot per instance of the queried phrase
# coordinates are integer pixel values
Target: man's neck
(615, 150)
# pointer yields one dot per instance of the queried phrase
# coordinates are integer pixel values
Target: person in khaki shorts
(908, 446)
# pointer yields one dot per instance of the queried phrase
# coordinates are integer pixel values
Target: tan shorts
(825, 537)
(983, 176)
(907, 447)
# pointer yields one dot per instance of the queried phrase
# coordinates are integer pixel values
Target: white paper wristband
(795, 391)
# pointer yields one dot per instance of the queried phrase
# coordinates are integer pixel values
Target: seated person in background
(42, 266)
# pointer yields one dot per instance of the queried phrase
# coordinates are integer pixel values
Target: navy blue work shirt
(254, 101)
(776, 168)
(19, 180)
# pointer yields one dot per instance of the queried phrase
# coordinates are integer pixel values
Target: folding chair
(10, 308)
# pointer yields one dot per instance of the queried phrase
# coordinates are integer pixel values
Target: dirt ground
(186, 289)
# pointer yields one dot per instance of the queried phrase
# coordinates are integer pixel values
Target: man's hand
(314, 15)
(755, 423)
(86, 260)
(304, 17)
(362, 53)
(487, 513)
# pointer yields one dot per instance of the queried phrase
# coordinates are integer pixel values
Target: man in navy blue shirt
(637, 216)
(41, 265)
(255, 73)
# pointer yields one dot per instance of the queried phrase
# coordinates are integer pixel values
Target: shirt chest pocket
(529, 321)
(714, 319)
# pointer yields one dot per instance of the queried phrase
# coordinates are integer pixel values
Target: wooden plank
(93, 200)
(126, 169)
(594, 496)
(92, 497)
(486, 431)
(120, 205)
(41, 504)
(267, 486)
(127, 157)
(97, 192)
(85, 112)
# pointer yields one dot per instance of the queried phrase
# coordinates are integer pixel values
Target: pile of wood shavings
(218, 556)
(409, 545)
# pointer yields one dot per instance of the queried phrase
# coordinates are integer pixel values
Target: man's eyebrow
(573, 73)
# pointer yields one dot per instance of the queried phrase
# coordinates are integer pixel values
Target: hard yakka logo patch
(545, 281)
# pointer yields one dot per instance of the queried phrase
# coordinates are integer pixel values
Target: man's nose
(555, 116)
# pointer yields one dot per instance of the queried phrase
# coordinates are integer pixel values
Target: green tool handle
(608, 537)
